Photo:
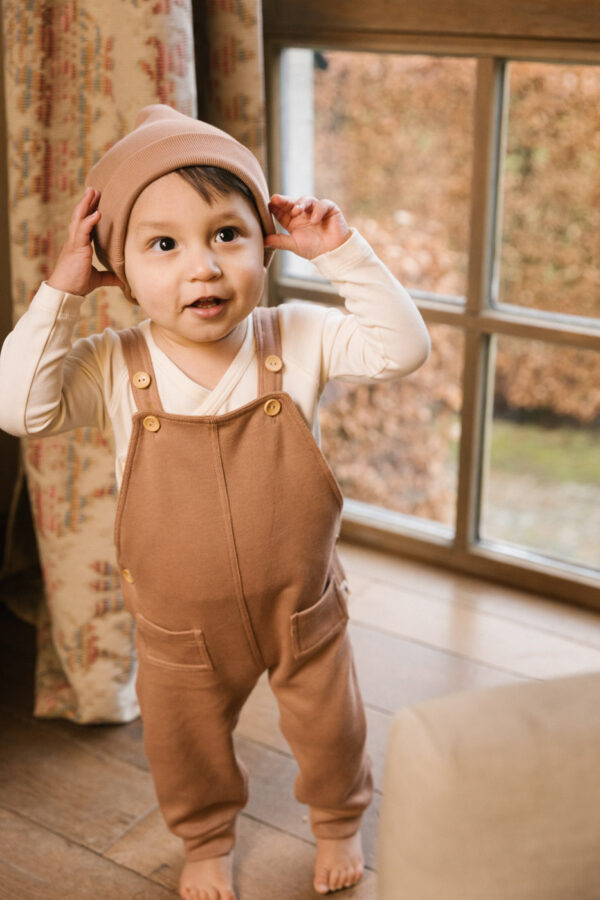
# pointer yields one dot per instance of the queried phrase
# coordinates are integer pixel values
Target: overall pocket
(315, 626)
(181, 650)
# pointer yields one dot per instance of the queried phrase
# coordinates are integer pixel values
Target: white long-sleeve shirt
(49, 385)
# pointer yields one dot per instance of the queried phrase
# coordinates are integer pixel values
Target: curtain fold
(230, 66)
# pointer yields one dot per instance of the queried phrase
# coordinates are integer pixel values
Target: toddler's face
(196, 269)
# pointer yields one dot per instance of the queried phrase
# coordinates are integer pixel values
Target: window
(471, 163)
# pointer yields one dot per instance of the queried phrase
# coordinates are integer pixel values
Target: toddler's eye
(164, 244)
(226, 235)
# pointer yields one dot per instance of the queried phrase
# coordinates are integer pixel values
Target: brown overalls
(225, 533)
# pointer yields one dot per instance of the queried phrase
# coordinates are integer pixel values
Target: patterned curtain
(77, 73)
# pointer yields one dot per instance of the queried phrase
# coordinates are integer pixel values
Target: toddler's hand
(74, 272)
(313, 226)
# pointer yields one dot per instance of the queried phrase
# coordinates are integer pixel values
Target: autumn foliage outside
(393, 146)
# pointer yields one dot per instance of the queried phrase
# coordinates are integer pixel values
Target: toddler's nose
(203, 265)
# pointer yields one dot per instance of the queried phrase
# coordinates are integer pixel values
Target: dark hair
(211, 180)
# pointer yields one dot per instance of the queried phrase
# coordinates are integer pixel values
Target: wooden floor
(78, 817)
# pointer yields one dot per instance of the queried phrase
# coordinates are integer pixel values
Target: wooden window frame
(511, 31)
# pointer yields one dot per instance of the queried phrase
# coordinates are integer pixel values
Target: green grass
(552, 454)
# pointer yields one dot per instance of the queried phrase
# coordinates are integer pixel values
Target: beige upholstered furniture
(495, 795)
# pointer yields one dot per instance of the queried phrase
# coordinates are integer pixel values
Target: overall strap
(141, 370)
(268, 349)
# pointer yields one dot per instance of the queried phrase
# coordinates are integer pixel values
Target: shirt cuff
(58, 302)
(352, 252)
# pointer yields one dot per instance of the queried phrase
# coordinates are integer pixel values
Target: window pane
(389, 138)
(549, 256)
(542, 485)
(395, 444)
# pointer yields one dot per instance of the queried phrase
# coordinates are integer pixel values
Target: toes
(210, 893)
(349, 878)
(189, 893)
(322, 881)
(336, 879)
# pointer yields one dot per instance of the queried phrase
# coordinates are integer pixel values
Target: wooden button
(273, 363)
(272, 407)
(141, 380)
(151, 423)
(127, 575)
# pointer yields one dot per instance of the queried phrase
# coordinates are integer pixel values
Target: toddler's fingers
(280, 241)
(89, 221)
(106, 279)
(303, 205)
(86, 208)
(83, 229)
(321, 210)
(278, 200)
(281, 208)
(280, 205)
(87, 203)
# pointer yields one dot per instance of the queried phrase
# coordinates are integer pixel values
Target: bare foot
(207, 879)
(339, 863)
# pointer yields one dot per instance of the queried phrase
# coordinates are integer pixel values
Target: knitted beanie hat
(163, 140)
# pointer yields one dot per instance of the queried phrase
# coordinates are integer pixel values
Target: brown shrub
(394, 148)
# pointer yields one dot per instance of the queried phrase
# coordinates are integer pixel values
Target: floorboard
(38, 864)
(78, 800)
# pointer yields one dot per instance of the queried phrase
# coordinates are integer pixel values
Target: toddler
(228, 514)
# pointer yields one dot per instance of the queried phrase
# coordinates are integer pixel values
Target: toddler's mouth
(206, 303)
